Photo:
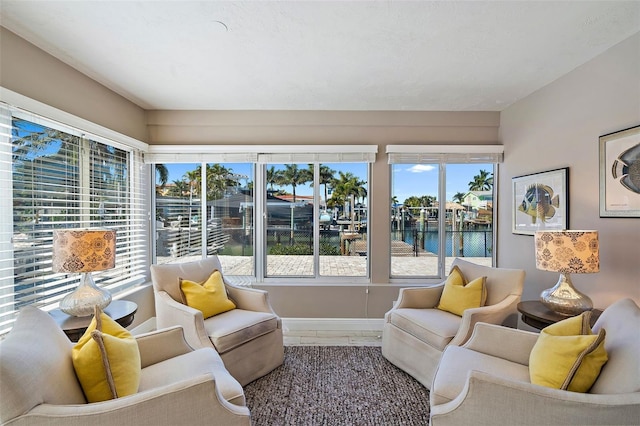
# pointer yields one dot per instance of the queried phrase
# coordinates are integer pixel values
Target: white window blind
(54, 177)
(424, 154)
(164, 154)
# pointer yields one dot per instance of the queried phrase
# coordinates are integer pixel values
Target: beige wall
(29, 71)
(332, 127)
(558, 126)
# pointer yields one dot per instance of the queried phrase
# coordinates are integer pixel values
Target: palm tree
(179, 189)
(459, 197)
(482, 182)
(273, 176)
(346, 185)
(162, 173)
(326, 177)
(294, 176)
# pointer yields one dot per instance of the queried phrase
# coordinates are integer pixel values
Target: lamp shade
(568, 252)
(84, 250)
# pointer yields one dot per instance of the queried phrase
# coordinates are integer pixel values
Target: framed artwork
(540, 201)
(620, 173)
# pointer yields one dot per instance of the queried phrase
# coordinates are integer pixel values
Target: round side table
(121, 311)
(537, 315)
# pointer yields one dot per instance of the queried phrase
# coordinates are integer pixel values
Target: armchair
(486, 382)
(415, 332)
(248, 338)
(178, 385)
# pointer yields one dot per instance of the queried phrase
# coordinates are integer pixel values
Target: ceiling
(323, 55)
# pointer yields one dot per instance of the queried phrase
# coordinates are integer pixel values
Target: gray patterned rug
(336, 385)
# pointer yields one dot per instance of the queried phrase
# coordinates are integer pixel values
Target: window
(337, 246)
(314, 205)
(228, 214)
(442, 207)
(54, 177)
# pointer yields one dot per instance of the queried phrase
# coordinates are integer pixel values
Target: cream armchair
(486, 382)
(248, 338)
(179, 385)
(415, 332)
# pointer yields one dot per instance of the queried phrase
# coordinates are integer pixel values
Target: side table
(122, 312)
(537, 315)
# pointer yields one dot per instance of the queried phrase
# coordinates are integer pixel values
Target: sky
(408, 179)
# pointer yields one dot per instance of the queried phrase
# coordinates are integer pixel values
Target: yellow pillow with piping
(458, 295)
(567, 355)
(106, 360)
(209, 297)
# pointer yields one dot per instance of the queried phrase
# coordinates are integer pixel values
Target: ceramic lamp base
(82, 301)
(564, 299)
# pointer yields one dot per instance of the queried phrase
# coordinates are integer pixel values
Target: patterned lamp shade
(567, 252)
(84, 251)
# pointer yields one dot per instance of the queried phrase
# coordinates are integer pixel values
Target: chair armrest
(419, 297)
(492, 314)
(160, 345)
(489, 339)
(171, 313)
(249, 299)
(488, 399)
(193, 401)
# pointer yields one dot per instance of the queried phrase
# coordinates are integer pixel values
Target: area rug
(336, 385)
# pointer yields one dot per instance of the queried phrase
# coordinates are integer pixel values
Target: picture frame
(540, 201)
(619, 178)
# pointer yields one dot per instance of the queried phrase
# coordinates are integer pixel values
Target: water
(473, 243)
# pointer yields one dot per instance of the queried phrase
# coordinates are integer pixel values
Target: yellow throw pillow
(209, 297)
(458, 295)
(106, 360)
(567, 355)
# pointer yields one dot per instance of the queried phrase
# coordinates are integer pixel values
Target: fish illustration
(626, 168)
(539, 202)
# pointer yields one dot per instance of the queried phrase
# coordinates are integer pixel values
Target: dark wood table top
(537, 315)
(121, 311)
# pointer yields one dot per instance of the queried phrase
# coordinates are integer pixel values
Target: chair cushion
(238, 326)
(567, 355)
(434, 327)
(209, 296)
(107, 360)
(621, 374)
(457, 362)
(459, 295)
(35, 366)
(192, 364)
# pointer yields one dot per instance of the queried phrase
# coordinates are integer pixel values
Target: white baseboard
(338, 324)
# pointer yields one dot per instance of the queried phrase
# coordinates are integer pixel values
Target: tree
(482, 182)
(346, 185)
(162, 173)
(459, 197)
(273, 176)
(179, 188)
(294, 176)
(326, 177)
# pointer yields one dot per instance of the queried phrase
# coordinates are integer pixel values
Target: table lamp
(84, 251)
(567, 252)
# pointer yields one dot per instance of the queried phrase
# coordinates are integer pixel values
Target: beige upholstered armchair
(179, 385)
(415, 332)
(248, 338)
(487, 381)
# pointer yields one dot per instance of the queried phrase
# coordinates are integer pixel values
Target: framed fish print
(620, 173)
(541, 201)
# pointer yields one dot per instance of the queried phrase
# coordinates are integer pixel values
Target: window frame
(131, 239)
(443, 155)
(262, 156)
